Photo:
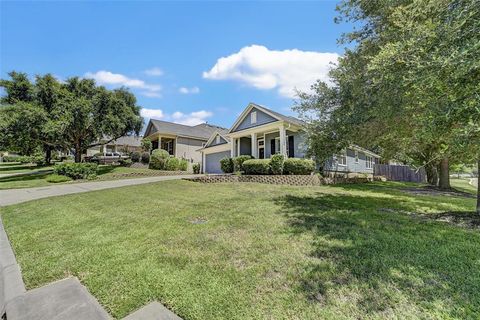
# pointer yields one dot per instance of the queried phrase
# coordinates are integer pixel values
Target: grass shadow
(383, 258)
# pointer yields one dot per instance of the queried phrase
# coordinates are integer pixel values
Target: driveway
(14, 196)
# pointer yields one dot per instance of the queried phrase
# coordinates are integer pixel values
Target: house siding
(214, 141)
(187, 149)
(245, 146)
(262, 118)
(361, 166)
(298, 143)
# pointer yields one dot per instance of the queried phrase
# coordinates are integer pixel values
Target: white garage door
(212, 161)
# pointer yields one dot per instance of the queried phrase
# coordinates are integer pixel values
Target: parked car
(106, 158)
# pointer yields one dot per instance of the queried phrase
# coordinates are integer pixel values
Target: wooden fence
(399, 173)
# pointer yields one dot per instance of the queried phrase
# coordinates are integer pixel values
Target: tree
(408, 86)
(73, 115)
(146, 145)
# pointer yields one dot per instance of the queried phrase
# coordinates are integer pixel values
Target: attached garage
(212, 161)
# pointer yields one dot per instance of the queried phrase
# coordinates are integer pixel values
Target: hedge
(238, 162)
(226, 164)
(196, 168)
(276, 163)
(145, 157)
(76, 170)
(298, 166)
(257, 166)
(135, 156)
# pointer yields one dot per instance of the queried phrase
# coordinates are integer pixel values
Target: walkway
(14, 196)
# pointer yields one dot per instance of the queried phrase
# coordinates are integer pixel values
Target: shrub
(257, 166)
(183, 165)
(172, 164)
(135, 156)
(158, 159)
(196, 168)
(146, 144)
(76, 170)
(276, 163)
(125, 162)
(298, 166)
(226, 164)
(145, 157)
(238, 162)
(38, 158)
(56, 178)
(10, 158)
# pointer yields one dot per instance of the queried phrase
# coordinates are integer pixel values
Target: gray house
(261, 132)
(181, 141)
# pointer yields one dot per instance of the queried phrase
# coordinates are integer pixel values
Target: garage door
(212, 161)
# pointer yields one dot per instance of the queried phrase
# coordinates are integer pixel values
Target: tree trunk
(48, 154)
(432, 175)
(444, 182)
(478, 186)
(78, 153)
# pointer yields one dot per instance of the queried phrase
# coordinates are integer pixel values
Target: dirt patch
(433, 191)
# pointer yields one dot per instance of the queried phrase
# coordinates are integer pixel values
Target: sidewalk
(14, 196)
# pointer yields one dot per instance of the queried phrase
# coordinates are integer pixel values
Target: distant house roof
(134, 141)
(202, 131)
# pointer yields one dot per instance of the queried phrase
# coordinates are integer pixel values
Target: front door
(261, 149)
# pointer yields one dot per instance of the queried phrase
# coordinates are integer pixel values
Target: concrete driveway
(14, 196)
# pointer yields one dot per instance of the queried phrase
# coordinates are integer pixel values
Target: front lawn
(105, 172)
(254, 251)
(15, 167)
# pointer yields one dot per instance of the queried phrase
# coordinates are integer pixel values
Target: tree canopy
(74, 114)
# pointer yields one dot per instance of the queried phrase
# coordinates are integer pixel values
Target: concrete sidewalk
(14, 196)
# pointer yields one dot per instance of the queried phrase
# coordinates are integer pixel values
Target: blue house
(261, 132)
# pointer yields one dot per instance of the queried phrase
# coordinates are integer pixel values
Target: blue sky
(168, 52)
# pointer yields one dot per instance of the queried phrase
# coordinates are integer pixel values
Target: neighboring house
(180, 140)
(261, 132)
(124, 144)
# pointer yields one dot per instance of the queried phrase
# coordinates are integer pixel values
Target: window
(369, 162)
(218, 139)
(356, 156)
(253, 117)
(342, 159)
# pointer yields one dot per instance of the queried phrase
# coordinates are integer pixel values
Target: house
(124, 144)
(181, 141)
(261, 132)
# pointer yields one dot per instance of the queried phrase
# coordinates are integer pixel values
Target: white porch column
(159, 142)
(238, 146)
(232, 147)
(203, 162)
(253, 137)
(283, 141)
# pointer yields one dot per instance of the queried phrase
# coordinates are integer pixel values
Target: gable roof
(274, 114)
(202, 131)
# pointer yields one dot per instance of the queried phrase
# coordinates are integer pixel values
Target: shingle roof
(203, 130)
(134, 141)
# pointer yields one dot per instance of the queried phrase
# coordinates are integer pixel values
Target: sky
(186, 62)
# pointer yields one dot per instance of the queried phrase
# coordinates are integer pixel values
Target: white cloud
(103, 77)
(264, 69)
(192, 90)
(152, 113)
(155, 71)
(191, 119)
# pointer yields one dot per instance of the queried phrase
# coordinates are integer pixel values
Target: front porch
(262, 143)
(165, 142)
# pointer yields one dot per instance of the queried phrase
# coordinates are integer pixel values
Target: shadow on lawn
(25, 177)
(384, 258)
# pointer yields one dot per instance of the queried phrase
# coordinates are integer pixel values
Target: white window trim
(342, 156)
(369, 162)
(253, 117)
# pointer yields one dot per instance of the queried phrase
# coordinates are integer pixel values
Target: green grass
(15, 167)
(106, 172)
(463, 185)
(253, 251)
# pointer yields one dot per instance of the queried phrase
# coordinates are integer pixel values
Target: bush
(196, 168)
(135, 156)
(158, 159)
(56, 178)
(125, 162)
(238, 162)
(10, 158)
(298, 166)
(76, 170)
(276, 163)
(257, 166)
(183, 165)
(172, 164)
(146, 144)
(226, 164)
(145, 157)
